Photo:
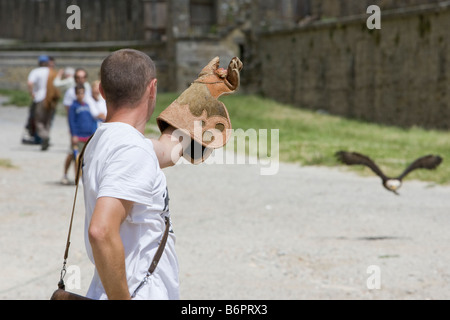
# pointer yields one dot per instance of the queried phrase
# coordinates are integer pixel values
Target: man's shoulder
(124, 136)
(113, 141)
(39, 72)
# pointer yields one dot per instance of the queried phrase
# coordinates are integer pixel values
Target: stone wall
(45, 20)
(110, 20)
(192, 55)
(399, 75)
(16, 65)
(342, 8)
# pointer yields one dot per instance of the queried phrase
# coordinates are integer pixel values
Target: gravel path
(304, 233)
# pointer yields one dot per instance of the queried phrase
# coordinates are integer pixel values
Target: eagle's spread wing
(353, 158)
(427, 162)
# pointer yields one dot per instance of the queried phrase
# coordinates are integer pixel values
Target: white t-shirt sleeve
(129, 174)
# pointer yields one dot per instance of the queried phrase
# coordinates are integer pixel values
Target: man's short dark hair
(79, 87)
(125, 75)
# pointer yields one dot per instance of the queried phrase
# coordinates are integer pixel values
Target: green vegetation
(18, 98)
(309, 138)
(6, 163)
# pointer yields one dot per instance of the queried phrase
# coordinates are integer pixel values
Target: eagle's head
(393, 185)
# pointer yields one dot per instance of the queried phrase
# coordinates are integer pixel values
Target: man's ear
(153, 87)
(100, 88)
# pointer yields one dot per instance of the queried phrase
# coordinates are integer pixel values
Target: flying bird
(390, 183)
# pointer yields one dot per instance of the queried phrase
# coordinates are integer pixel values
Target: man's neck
(131, 116)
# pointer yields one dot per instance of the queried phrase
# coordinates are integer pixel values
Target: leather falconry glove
(199, 113)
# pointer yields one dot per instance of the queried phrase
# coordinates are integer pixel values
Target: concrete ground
(303, 233)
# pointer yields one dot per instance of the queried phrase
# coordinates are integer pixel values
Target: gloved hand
(199, 113)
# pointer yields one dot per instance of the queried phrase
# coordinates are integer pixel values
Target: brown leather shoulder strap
(79, 164)
(161, 247)
(156, 258)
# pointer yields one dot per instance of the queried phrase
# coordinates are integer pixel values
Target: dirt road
(304, 233)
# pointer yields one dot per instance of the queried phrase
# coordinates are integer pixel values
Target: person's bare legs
(67, 163)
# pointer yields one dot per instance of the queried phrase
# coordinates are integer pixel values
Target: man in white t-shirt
(37, 80)
(37, 88)
(45, 98)
(125, 190)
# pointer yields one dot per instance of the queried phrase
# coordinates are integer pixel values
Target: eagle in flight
(390, 183)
